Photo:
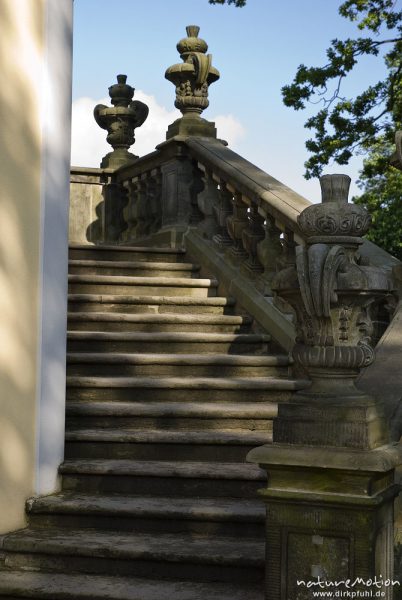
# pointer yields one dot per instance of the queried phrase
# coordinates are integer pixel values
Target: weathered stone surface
(239, 286)
(86, 222)
(154, 485)
(330, 487)
(91, 587)
(335, 299)
(120, 122)
(162, 477)
(192, 79)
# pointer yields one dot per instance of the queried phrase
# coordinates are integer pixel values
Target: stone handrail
(272, 196)
(198, 192)
(269, 194)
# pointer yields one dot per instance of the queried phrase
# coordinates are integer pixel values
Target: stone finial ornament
(120, 122)
(334, 217)
(192, 79)
(335, 299)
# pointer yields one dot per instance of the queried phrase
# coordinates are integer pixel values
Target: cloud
(229, 129)
(88, 140)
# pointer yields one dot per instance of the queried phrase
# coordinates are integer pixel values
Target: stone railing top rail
(240, 175)
(280, 201)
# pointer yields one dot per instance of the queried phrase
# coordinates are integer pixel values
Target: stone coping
(382, 459)
(284, 204)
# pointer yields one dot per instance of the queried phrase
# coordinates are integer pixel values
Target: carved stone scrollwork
(252, 235)
(236, 224)
(335, 300)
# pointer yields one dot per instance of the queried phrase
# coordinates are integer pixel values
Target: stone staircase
(168, 389)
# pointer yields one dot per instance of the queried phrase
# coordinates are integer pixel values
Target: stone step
(180, 389)
(134, 267)
(183, 365)
(168, 342)
(162, 555)
(76, 586)
(149, 304)
(206, 516)
(186, 478)
(125, 253)
(172, 415)
(104, 321)
(148, 286)
(223, 445)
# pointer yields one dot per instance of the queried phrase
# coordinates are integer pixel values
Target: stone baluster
(330, 468)
(236, 224)
(208, 200)
(288, 258)
(154, 193)
(115, 200)
(130, 211)
(196, 187)
(142, 206)
(223, 210)
(252, 235)
(120, 121)
(269, 251)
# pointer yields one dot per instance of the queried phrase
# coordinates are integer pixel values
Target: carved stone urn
(120, 122)
(192, 79)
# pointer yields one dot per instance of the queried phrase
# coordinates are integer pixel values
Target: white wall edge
(55, 176)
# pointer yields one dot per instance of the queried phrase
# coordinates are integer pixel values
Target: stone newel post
(192, 79)
(330, 469)
(120, 122)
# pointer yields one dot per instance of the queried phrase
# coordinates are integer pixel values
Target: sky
(257, 50)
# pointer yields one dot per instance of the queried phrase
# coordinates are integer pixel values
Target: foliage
(346, 125)
(382, 196)
(366, 123)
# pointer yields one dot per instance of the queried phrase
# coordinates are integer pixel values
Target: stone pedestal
(330, 468)
(329, 519)
(191, 125)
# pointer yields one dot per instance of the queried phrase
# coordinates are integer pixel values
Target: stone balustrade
(198, 191)
(307, 276)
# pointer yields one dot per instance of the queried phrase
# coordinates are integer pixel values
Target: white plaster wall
(55, 178)
(35, 98)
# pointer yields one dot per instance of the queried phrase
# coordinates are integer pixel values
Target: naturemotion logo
(349, 588)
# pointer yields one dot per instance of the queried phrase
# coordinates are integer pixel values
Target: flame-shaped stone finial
(192, 79)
